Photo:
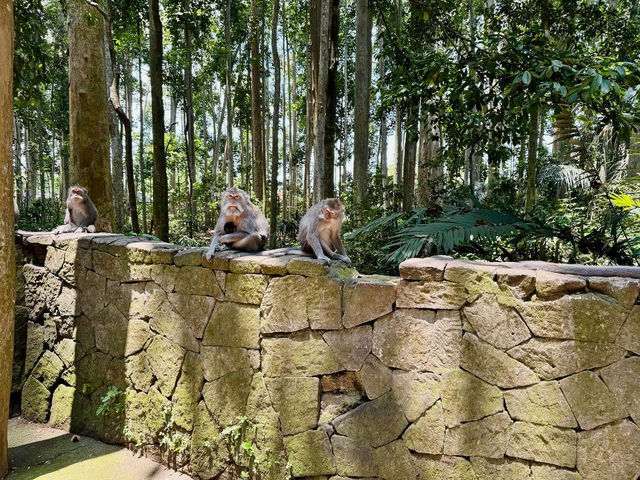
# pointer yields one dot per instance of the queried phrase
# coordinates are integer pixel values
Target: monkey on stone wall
(81, 214)
(241, 224)
(320, 230)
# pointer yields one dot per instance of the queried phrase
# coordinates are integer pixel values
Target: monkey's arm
(212, 248)
(232, 237)
(337, 241)
(316, 246)
(67, 226)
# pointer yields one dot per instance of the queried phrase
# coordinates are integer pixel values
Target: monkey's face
(234, 202)
(331, 215)
(77, 194)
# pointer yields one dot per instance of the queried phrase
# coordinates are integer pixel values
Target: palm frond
(562, 176)
(624, 201)
(375, 225)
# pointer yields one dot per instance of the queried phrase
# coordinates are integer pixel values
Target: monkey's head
(332, 210)
(234, 202)
(77, 194)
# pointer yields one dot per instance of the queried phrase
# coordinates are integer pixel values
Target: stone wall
(453, 371)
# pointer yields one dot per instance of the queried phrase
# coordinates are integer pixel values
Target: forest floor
(37, 451)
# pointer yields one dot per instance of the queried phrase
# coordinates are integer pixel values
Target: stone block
(415, 392)
(394, 461)
(423, 269)
(246, 288)
(353, 458)
(432, 295)
(496, 324)
(187, 393)
(233, 325)
(48, 369)
(426, 435)
(552, 359)
(551, 284)
(590, 317)
(610, 452)
(364, 301)
(220, 361)
(629, 336)
(500, 469)
(304, 354)
(624, 290)
(165, 358)
(418, 340)
(310, 454)
(200, 281)
(443, 467)
(542, 443)
(377, 422)
(375, 377)
(110, 328)
(623, 380)
(591, 401)
(493, 365)
(35, 401)
(296, 399)
(226, 397)
(351, 345)
(485, 438)
(543, 403)
(62, 407)
(548, 472)
(465, 397)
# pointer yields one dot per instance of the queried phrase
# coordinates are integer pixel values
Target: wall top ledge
(433, 268)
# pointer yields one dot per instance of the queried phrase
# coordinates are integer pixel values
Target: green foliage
(40, 215)
(112, 403)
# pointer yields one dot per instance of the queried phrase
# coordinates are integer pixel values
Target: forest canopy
(498, 130)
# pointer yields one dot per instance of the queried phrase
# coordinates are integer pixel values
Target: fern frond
(563, 176)
(624, 201)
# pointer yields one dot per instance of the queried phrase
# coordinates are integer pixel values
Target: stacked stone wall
(455, 370)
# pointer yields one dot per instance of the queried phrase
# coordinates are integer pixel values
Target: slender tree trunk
(429, 171)
(228, 150)
(116, 143)
(143, 180)
(256, 106)
(285, 77)
(294, 136)
(190, 128)
(362, 101)
(18, 155)
(399, 156)
(309, 127)
(409, 174)
(160, 194)
(345, 121)
(384, 169)
(273, 210)
(88, 109)
(7, 260)
(64, 156)
(320, 113)
(532, 160)
(331, 102)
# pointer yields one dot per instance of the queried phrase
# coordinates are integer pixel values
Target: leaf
(526, 77)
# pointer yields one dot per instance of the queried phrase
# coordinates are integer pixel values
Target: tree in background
(88, 112)
(7, 261)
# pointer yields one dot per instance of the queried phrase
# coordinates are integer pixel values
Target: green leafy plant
(112, 402)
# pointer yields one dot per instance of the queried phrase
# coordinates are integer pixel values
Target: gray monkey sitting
(320, 230)
(241, 224)
(81, 214)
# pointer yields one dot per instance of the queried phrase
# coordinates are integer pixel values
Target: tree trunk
(409, 174)
(256, 107)
(532, 160)
(384, 169)
(320, 112)
(309, 127)
(362, 101)
(399, 161)
(143, 180)
(160, 194)
(189, 128)
(88, 109)
(18, 156)
(228, 149)
(294, 138)
(116, 137)
(331, 102)
(64, 160)
(429, 171)
(285, 80)
(7, 260)
(273, 208)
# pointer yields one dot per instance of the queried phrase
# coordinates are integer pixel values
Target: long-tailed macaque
(81, 214)
(241, 224)
(320, 230)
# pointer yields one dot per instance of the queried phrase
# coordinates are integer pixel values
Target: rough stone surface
(486, 437)
(366, 301)
(502, 469)
(443, 467)
(622, 379)
(246, 288)
(375, 377)
(465, 397)
(194, 309)
(499, 325)
(550, 284)
(609, 452)
(353, 458)
(624, 290)
(377, 422)
(226, 397)
(48, 369)
(310, 454)
(423, 269)
(62, 406)
(591, 401)
(590, 317)
(394, 461)
(199, 281)
(629, 336)
(35, 401)
(165, 359)
(233, 325)
(543, 403)
(351, 345)
(558, 358)
(415, 392)
(418, 340)
(493, 365)
(303, 355)
(432, 295)
(426, 435)
(548, 472)
(543, 444)
(296, 401)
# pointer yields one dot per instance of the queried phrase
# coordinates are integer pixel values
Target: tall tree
(228, 148)
(362, 100)
(331, 100)
(7, 261)
(143, 180)
(256, 106)
(189, 113)
(273, 208)
(88, 109)
(160, 193)
(320, 100)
